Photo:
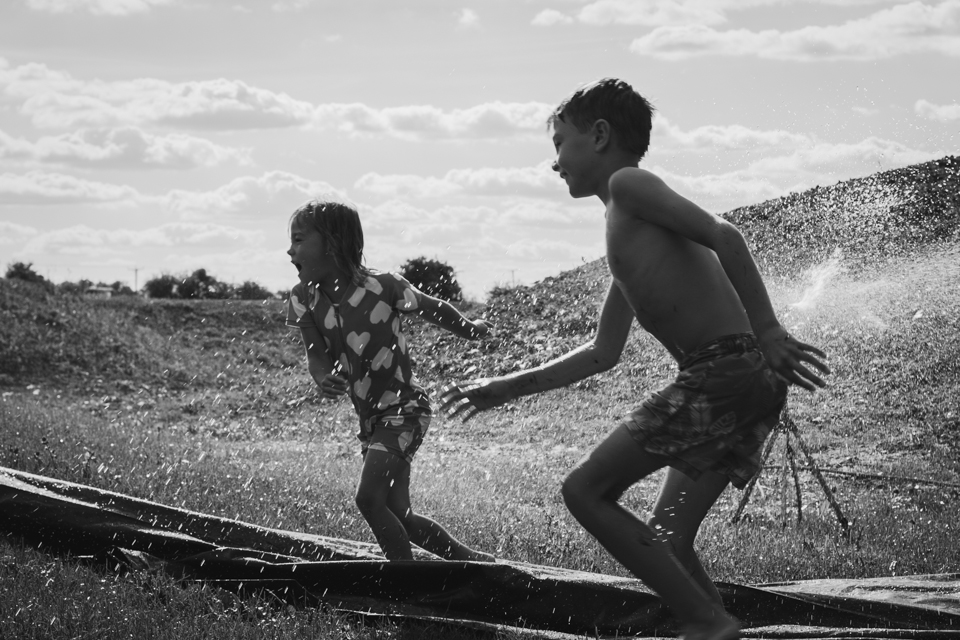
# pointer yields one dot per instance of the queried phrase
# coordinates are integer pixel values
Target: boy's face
(576, 158)
(307, 253)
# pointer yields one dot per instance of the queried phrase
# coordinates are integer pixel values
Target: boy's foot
(722, 627)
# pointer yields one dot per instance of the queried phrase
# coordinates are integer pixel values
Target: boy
(688, 278)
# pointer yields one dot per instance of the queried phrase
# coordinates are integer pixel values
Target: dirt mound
(886, 215)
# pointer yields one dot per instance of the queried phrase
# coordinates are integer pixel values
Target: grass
(207, 406)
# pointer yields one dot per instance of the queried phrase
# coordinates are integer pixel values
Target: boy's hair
(613, 100)
(339, 226)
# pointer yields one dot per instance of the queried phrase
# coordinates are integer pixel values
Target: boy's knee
(575, 491)
(368, 501)
(404, 515)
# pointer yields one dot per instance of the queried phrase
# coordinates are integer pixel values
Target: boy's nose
(555, 166)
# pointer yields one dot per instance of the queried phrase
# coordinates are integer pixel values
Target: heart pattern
(404, 440)
(388, 398)
(356, 297)
(381, 312)
(383, 359)
(373, 286)
(358, 341)
(361, 387)
(363, 337)
(409, 300)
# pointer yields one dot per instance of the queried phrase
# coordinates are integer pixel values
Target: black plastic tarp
(309, 570)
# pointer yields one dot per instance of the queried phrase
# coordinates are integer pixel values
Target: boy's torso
(676, 287)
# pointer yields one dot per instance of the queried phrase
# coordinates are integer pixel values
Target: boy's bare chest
(638, 252)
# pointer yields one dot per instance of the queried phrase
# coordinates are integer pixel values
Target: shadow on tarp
(308, 570)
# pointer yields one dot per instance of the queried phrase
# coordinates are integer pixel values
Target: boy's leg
(680, 508)
(425, 532)
(592, 491)
(382, 470)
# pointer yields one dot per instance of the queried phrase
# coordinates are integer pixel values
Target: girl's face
(308, 254)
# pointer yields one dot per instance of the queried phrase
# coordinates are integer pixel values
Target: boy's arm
(600, 354)
(646, 196)
(445, 315)
(321, 367)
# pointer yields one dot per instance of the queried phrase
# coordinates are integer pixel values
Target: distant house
(98, 292)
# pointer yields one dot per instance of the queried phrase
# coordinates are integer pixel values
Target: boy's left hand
(467, 399)
(481, 328)
(786, 355)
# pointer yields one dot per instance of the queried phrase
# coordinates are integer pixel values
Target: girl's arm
(321, 367)
(445, 315)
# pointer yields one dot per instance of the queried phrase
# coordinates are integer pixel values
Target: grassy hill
(891, 229)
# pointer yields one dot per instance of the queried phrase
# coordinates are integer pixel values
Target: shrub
(250, 290)
(164, 286)
(433, 277)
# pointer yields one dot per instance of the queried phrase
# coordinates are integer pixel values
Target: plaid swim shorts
(400, 435)
(716, 414)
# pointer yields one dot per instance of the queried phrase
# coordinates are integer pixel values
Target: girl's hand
(467, 399)
(786, 355)
(332, 386)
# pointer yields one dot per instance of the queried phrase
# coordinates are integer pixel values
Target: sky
(148, 137)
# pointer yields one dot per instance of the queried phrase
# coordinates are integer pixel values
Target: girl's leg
(680, 508)
(381, 471)
(592, 491)
(424, 532)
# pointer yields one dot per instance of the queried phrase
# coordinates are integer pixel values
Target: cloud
(819, 163)
(824, 159)
(485, 243)
(15, 234)
(275, 195)
(97, 7)
(291, 5)
(127, 147)
(550, 17)
(490, 120)
(906, 28)
(37, 187)
(943, 113)
(539, 180)
(55, 99)
(468, 19)
(127, 247)
(653, 13)
(724, 137)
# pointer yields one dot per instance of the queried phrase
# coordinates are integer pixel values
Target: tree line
(430, 276)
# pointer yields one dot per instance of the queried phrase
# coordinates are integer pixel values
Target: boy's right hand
(332, 386)
(786, 356)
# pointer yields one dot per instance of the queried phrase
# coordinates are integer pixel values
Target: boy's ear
(602, 134)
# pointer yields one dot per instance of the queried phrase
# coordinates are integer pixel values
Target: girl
(349, 319)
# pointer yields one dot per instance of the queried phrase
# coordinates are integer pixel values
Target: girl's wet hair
(339, 226)
(613, 100)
